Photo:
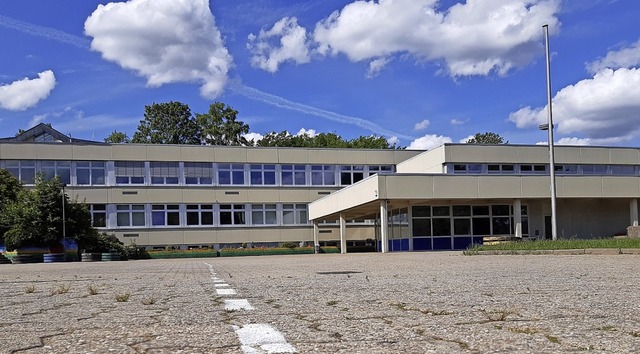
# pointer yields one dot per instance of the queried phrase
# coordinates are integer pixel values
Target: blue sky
(419, 72)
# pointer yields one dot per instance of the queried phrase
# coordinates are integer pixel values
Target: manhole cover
(339, 272)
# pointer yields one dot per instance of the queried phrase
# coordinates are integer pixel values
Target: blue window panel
(461, 243)
(404, 244)
(441, 243)
(395, 245)
(422, 244)
(477, 240)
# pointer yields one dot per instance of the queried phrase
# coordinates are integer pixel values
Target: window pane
(207, 218)
(82, 176)
(481, 227)
(421, 211)
(441, 227)
(461, 210)
(288, 217)
(138, 219)
(123, 219)
(462, 226)
(225, 218)
(173, 218)
(421, 227)
(257, 218)
(440, 211)
(192, 218)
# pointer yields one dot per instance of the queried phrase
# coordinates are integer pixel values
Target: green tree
(10, 187)
(35, 217)
(323, 140)
(370, 142)
(220, 126)
(117, 138)
(487, 138)
(167, 123)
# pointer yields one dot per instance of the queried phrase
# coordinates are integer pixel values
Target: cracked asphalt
(329, 303)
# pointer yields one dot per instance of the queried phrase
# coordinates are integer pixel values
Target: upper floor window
(379, 169)
(263, 174)
(129, 172)
(198, 173)
(164, 172)
(566, 169)
(24, 170)
(351, 174)
(501, 168)
(323, 175)
(230, 174)
(61, 169)
(594, 169)
(90, 173)
(623, 170)
(293, 175)
(467, 168)
(538, 169)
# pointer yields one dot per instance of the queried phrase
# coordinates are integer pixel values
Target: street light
(549, 127)
(64, 225)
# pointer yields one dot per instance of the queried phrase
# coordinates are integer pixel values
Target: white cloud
(310, 132)
(421, 125)
(464, 140)
(26, 93)
(253, 136)
(573, 141)
(293, 45)
(393, 140)
(376, 66)
(428, 142)
(455, 121)
(624, 58)
(472, 38)
(165, 41)
(605, 108)
(37, 119)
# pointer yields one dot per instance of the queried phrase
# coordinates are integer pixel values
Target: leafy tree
(117, 138)
(487, 138)
(167, 123)
(34, 218)
(323, 140)
(221, 127)
(10, 187)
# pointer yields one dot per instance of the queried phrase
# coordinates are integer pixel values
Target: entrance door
(547, 227)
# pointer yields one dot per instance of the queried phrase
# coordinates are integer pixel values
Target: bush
(290, 245)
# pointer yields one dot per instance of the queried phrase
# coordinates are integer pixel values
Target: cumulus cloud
(253, 136)
(455, 121)
(428, 142)
(393, 140)
(421, 125)
(605, 108)
(476, 37)
(308, 132)
(292, 45)
(376, 66)
(26, 93)
(464, 140)
(165, 41)
(624, 58)
(573, 141)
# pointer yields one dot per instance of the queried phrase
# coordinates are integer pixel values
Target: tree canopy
(117, 138)
(167, 123)
(33, 217)
(487, 138)
(323, 140)
(220, 126)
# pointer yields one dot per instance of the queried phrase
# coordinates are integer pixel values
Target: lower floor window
(232, 214)
(130, 215)
(165, 215)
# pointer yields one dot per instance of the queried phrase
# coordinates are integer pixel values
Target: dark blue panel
(441, 243)
(404, 244)
(461, 243)
(395, 245)
(422, 243)
(478, 240)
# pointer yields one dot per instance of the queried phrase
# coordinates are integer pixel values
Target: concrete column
(384, 226)
(343, 234)
(633, 208)
(410, 217)
(517, 217)
(316, 232)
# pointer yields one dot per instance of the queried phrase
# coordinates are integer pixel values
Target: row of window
(459, 220)
(100, 173)
(193, 215)
(526, 169)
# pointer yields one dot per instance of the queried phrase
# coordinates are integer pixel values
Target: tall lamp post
(64, 219)
(549, 128)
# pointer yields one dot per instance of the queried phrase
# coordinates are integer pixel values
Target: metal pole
(552, 165)
(64, 225)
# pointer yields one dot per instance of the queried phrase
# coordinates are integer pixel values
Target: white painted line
(262, 338)
(226, 291)
(221, 285)
(217, 280)
(237, 304)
